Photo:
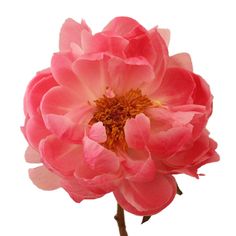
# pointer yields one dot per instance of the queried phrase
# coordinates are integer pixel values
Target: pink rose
(116, 113)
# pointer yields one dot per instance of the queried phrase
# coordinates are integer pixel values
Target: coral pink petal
(62, 157)
(97, 132)
(182, 60)
(35, 130)
(176, 88)
(146, 198)
(34, 95)
(61, 67)
(59, 100)
(121, 26)
(92, 73)
(44, 179)
(166, 143)
(165, 34)
(32, 156)
(71, 33)
(99, 158)
(137, 131)
(129, 74)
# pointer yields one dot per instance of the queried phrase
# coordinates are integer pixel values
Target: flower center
(114, 112)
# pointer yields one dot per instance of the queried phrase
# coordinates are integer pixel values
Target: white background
(28, 37)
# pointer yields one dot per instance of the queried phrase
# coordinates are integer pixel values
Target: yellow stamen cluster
(114, 112)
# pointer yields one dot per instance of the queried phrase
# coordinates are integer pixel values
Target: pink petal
(32, 156)
(176, 88)
(61, 157)
(129, 74)
(61, 67)
(36, 90)
(99, 158)
(137, 131)
(146, 198)
(182, 60)
(44, 179)
(35, 130)
(92, 73)
(97, 133)
(165, 34)
(121, 25)
(71, 33)
(166, 143)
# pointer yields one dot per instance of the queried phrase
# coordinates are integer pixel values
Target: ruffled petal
(99, 158)
(176, 88)
(71, 33)
(146, 198)
(44, 178)
(129, 74)
(137, 131)
(97, 132)
(62, 157)
(182, 60)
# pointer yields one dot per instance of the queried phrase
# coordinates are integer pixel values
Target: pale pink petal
(146, 198)
(44, 179)
(92, 72)
(62, 157)
(32, 156)
(176, 88)
(71, 33)
(129, 74)
(182, 60)
(165, 34)
(121, 25)
(97, 133)
(137, 131)
(99, 158)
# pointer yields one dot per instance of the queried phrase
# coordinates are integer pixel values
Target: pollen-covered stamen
(113, 113)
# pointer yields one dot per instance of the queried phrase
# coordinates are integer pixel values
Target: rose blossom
(116, 113)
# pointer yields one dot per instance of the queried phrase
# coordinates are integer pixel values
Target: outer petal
(60, 156)
(146, 198)
(71, 33)
(165, 34)
(44, 179)
(137, 131)
(182, 60)
(177, 87)
(32, 156)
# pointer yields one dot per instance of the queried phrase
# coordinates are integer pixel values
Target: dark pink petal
(44, 178)
(182, 60)
(99, 158)
(97, 133)
(137, 131)
(176, 88)
(121, 26)
(32, 156)
(146, 198)
(92, 72)
(60, 156)
(71, 33)
(129, 74)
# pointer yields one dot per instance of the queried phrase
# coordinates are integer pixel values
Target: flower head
(116, 113)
